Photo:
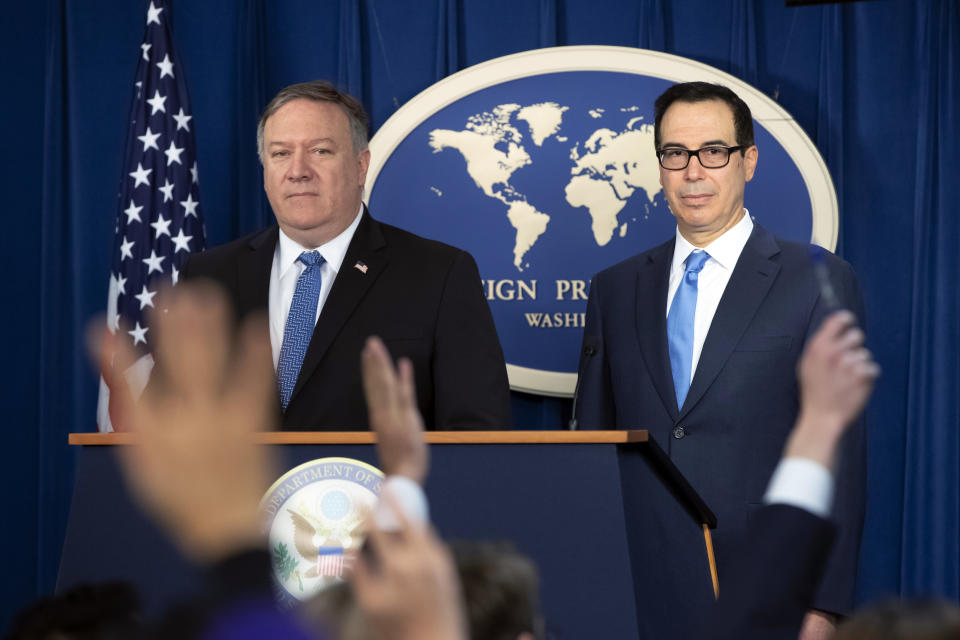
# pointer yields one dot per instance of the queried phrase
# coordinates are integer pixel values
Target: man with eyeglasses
(697, 340)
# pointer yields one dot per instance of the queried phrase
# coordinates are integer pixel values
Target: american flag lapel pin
(361, 267)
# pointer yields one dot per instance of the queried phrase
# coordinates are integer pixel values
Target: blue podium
(618, 534)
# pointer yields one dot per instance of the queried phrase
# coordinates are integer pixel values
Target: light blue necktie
(680, 324)
(298, 329)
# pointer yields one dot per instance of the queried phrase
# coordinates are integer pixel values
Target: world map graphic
(546, 180)
(607, 168)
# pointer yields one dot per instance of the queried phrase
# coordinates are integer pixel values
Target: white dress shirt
(286, 270)
(724, 253)
(802, 483)
(408, 496)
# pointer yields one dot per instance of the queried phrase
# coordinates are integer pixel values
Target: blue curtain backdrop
(875, 84)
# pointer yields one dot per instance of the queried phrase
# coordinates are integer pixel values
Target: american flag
(330, 562)
(158, 216)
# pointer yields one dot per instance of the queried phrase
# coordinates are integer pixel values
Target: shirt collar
(333, 252)
(725, 250)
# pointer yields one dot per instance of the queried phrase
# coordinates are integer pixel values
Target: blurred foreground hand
(836, 374)
(394, 416)
(405, 580)
(406, 583)
(195, 466)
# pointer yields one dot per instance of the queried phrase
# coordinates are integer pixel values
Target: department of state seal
(312, 515)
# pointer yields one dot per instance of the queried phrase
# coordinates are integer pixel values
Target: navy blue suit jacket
(779, 562)
(728, 436)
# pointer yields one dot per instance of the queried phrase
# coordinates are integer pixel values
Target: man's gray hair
(319, 91)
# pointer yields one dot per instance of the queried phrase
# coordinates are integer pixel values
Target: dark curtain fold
(61, 374)
(350, 68)
(931, 544)
(448, 38)
(380, 54)
(252, 211)
(548, 23)
(874, 84)
(652, 28)
(743, 40)
(21, 181)
(830, 103)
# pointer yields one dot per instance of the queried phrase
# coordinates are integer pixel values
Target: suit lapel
(254, 272)
(748, 286)
(652, 283)
(348, 290)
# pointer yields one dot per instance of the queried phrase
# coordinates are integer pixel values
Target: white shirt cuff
(410, 498)
(802, 483)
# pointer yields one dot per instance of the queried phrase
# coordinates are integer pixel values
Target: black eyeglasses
(713, 157)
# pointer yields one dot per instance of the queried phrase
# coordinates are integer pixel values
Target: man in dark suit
(697, 340)
(329, 275)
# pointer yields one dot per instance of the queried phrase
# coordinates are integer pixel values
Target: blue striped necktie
(680, 324)
(298, 329)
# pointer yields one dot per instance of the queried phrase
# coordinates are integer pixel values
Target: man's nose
(694, 170)
(299, 169)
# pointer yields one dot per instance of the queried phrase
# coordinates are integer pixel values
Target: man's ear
(363, 158)
(750, 162)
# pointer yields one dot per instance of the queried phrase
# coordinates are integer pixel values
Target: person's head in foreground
(500, 589)
(923, 619)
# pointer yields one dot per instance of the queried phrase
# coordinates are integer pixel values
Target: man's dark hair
(702, 92)
(923, 619)
(319, 91)
(501, 588)
(501, 593)
(109, 611)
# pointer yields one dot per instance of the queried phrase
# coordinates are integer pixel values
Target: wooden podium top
(661, 462)
(432, 437)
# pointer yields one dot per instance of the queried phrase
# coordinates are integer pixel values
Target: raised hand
(195, 465)
(393, 412)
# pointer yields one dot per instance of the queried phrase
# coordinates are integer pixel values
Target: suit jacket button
(679, 432)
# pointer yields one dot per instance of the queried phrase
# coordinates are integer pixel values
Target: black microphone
(589, 350)
(822, 274)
